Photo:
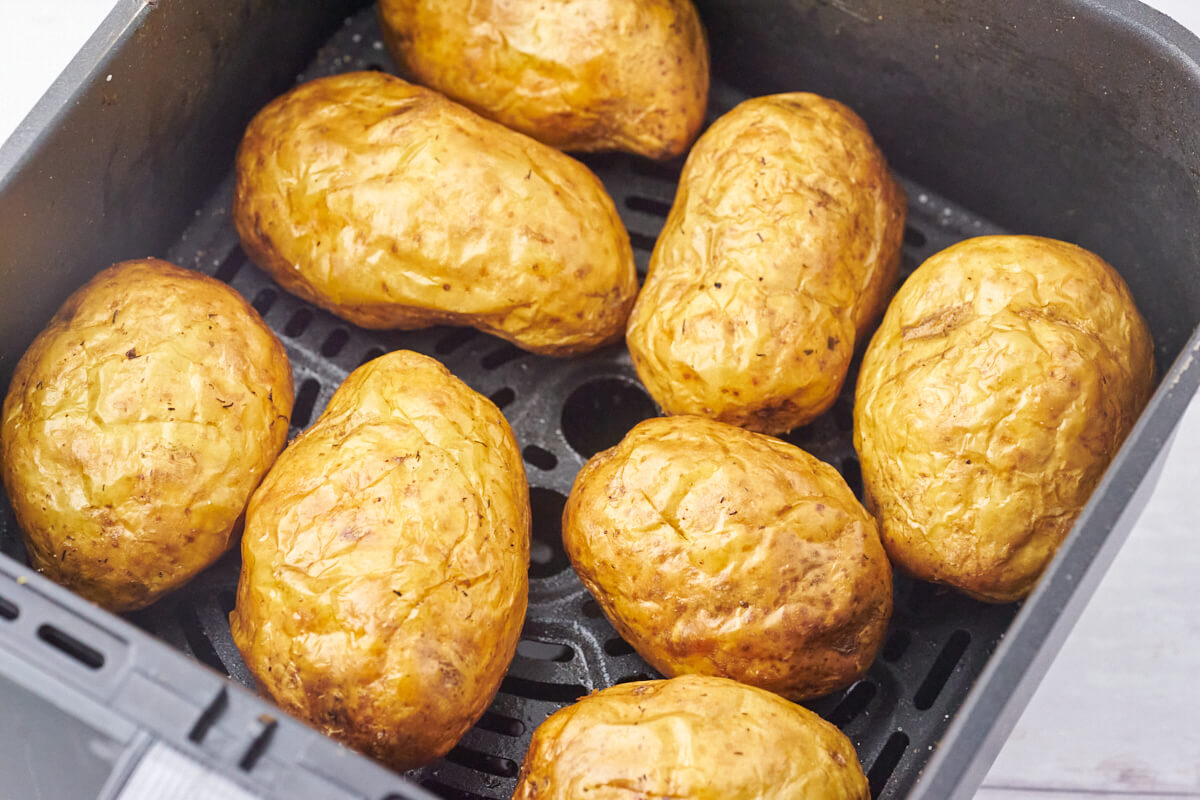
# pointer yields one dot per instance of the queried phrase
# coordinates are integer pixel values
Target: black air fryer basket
(1075, 119)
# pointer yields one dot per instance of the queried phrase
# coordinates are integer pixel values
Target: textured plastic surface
(89, 690)
(937, 85)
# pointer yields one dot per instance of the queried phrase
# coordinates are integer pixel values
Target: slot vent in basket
(371, 354)
(642, 241)
(853, 703)
(536, 690)
(851, 471)
(843, 414)
(488, 764)
(455, 339)
(921, 596)
(503, 397)
(264, 300)
(618, 647)
(306, 399)
(298, 322)
(209, 716)
(546, 555)
(648, 205)
(502, 355)
(896, 645)
(231, 265)
(501, 724)
(914, 237)
(71, 646)
(261, 741)
(667, 172)
(196, 638)
(887, 761)
(942, 669)
(545, 651)
(8, 609)
(334, 342)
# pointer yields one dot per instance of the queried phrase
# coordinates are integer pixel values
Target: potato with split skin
(394, 207)
(1000, 384)
(385, 563)
(135, 428)
(694, 737)
(780, 251)
(719, 551)
(576, 74)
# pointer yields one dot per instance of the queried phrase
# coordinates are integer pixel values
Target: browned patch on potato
(938, 323)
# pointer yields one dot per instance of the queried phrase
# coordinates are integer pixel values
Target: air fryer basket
(987, 105)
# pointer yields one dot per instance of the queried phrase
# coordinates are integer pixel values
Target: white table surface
(1119, 711)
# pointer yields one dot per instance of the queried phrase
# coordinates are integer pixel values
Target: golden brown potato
(780, 250)
(718, 551)
(393, 207)
(137, 425)
(384, 563)
(694, 737)
(1003, 379)
(583, 75)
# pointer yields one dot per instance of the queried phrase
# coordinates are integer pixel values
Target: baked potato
(393, 207)
(694, 737)
(583, 75)
(780, 250)
(135, 428)
(1000, 384)
(385, 563)
(719, 551)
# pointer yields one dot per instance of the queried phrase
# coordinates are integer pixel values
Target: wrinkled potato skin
(576, 74)
(393, 207)
(137, 425)
(695, 737)
(1000, 384)
(781, 248)
(385, 563)
(718, 551)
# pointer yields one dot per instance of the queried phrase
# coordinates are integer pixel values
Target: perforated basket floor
(563, 411)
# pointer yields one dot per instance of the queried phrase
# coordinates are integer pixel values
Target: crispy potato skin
(576, 74)
(393, 207)
(1000, 384)
(719, 551)
(781, 249)
(695, 737)
(137, 425)
(385, 563)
